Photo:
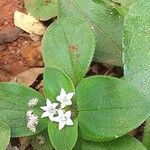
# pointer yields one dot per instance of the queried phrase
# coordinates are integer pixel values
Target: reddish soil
(17, 51)
(7, 9)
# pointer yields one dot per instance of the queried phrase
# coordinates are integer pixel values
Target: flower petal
(59, 98)
(51, 118)
(63, 105)
(63, 92)
(45, 114)
(56, 119)
(44, 108)
(69, 122)
(69, 102)
(61, 125)
(70, 95)
(68, 114)
(55, 105)
(48, 103)
(61, 113)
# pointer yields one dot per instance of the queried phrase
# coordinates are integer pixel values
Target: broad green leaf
(41, 141)
(136, 46)
(69, 44)
(107, 23)
(64, 139)
(54, 81)
(13, 107)
(78, 144)
(4, 135)
(137, 50)
(42, 9)
(124, 3)
(120, 5)
(109, 108)
(123, 143)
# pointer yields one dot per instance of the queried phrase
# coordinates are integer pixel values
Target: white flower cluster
(33, 102)
(59, 115)
(32, 119)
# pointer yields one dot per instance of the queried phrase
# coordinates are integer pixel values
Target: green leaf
(4, 135)
(78, 144)
(136, 46)
(109, 108)
(120, 5)
(136, 51)
(69, 44)
(42, 9)
(123, 143)
(65, 138)
(124, 3)
(54, 81)
(13, 107)
(41, 141)
(107, 23)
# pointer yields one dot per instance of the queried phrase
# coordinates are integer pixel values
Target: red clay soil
(17, 51)
(7, 9)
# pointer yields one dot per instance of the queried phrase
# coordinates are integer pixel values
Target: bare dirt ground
(18, 52)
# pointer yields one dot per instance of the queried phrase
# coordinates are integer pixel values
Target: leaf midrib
(67, 41)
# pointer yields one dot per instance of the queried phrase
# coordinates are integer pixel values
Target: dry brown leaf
(28, 23)
(10, 147)
(9, 34)
(24, 141)
(28, 77)
(31, 53)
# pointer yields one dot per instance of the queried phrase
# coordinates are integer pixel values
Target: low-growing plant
(74, 111)
(97, 108)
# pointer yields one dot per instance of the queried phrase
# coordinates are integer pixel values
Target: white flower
(64, 98)
(50, 110)
(31, 127)
(32, 120)
(29, 113)
(33, 102)
(63, 119)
